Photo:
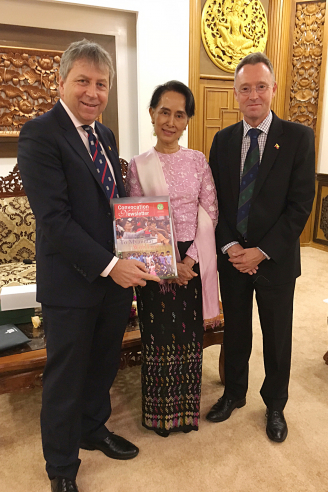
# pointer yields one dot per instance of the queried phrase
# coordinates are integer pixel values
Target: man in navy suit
(85, 291)
(265, 191)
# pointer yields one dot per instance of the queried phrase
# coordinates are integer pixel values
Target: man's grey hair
(253, 59)
(87, 50)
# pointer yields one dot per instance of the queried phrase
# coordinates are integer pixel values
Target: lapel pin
(277, 146)
(110, 148)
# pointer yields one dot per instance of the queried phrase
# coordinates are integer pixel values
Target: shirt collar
(75, 121)
(264, 126)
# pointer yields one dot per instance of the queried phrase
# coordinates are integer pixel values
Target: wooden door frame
(194, 67)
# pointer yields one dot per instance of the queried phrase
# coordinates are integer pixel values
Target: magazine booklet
(143, 231)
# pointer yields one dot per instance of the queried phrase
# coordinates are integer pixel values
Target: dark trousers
(275, 306)
(83, 356)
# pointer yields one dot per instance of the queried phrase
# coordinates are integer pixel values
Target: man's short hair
(253, 59)
(87, 50)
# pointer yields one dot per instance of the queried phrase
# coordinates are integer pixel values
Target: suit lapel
(270, 154)
(234, 153)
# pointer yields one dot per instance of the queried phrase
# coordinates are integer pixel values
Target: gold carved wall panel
(306, 62)
(231, 29)
(28, 86)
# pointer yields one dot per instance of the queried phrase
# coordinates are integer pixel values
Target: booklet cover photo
(143, 231)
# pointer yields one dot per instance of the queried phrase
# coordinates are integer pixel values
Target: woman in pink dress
(171, 315)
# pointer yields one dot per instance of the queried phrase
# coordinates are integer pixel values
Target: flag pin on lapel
(110, 148)
(277, 146)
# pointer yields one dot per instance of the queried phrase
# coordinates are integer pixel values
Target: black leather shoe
(276, 428)
(60, 484)
(223, 408)
(113, 446)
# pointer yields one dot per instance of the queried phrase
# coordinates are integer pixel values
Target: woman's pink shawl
(152, 181)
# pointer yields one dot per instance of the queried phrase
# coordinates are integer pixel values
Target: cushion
(17, 230)
(17, 274)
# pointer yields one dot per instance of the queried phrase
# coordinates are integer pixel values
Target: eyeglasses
(260, 89)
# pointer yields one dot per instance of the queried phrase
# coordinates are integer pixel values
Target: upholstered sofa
(17, 233)
(23, 368)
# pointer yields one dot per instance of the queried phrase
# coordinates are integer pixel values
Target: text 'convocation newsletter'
(143, 231)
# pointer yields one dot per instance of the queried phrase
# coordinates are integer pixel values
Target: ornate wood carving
(11, 185)
(124, 168)
(24, 370)
(325, 357)
(10, 383)
(324, 217)
(130, 358)
(320, 231)
(306, 62)
(28, 86)
(231, 29)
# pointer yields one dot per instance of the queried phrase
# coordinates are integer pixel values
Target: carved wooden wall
(307, 48)
(28, 81)
(304, 91)
(305, 78)
(320, 233)
(212, 86)
(233, 29)
(32, 67)
(297, 45)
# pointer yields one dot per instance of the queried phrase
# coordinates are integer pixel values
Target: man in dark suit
(70, 170)
(263, 168)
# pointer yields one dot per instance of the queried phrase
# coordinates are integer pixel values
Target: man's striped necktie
(248, 179)
(101, 164)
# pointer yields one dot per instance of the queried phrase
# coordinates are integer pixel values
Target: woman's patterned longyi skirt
(171, 326)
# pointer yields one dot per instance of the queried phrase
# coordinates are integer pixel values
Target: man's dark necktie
(101, 164)
(248, 179)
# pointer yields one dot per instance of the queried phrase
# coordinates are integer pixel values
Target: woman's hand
(185, 271)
